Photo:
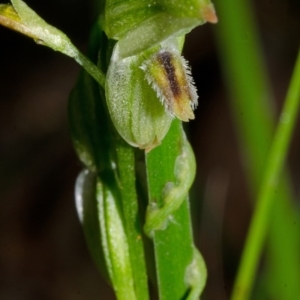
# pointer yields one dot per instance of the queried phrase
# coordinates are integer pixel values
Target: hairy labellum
(136, 112)
(169, 75)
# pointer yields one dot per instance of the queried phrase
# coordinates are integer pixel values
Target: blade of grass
(260, 221)
(252, 108)
(284, 256)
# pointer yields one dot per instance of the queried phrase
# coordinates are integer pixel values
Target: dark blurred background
(42, 249)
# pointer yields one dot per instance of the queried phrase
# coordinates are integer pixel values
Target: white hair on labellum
(152, 82)
(187, 87)
(191, 83)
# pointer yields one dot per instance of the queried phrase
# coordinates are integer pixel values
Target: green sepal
(139, 25)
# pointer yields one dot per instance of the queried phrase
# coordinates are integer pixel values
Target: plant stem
(132, 224)
(260, 221)
(95, 72)
(177, 265)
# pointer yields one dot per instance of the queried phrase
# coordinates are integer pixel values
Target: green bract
(139, 24)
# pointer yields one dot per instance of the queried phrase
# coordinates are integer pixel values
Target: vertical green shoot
(251, 102)
(261, 218)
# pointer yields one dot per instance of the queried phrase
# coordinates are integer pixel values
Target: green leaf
(173, 243)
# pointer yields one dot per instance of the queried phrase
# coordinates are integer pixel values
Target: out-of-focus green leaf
(252, 108)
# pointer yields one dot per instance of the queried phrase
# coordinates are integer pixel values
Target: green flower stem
(90, 68)
(180, 274)
(125, 156)
(261, 219)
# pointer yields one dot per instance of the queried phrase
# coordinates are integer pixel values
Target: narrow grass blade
(252, 109)
(261, 218)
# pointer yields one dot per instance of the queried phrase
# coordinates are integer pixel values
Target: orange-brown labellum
(168, 73)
